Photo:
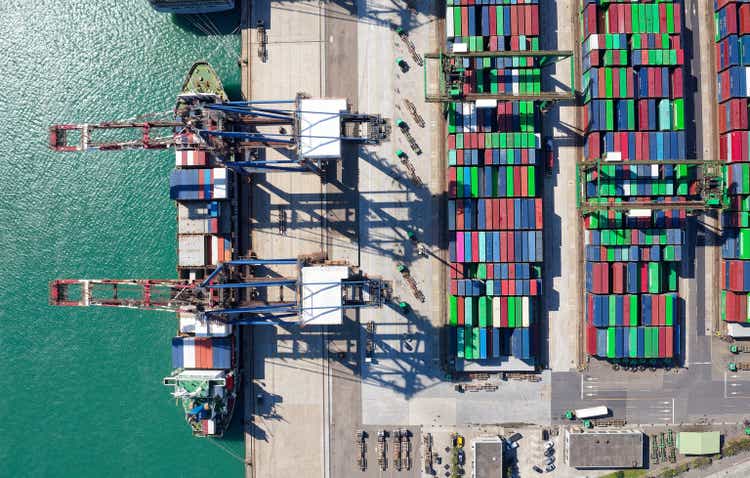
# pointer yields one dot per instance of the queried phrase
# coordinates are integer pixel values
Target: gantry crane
(229, 294)
(710, 194)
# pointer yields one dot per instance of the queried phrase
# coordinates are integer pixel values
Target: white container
(591, 412)
(611, 156)
(188, 352)
(525, 319)
(449, 30)
(191, 250)
(220, 183)
(496, 311)
(460, 48)
(486, 103)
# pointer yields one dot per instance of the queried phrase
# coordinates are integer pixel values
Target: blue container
(646, 305)
(601, 342)
(221, 352)
(177, 353)
(482, 343)
(495, 342)
(619, 342)
(641, 342)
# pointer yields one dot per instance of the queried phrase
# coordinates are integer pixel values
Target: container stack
(732, 20)
(634, 110)
(495, 214)
(203, 212)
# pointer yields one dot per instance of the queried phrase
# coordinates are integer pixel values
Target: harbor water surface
(82, 392)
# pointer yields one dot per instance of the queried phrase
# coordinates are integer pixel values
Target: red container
(590, 20)
(734, 147)
(460, 304)
(590, 338)
(744, 19)
(669, 342)
(663, 342)
(733, 115)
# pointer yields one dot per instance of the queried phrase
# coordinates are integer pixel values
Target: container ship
(191, 6)
(205, 375)
(205, 353)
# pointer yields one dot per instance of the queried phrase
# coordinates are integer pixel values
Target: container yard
(494, 152)
(732, 50)
(515, 244)
(634, 111)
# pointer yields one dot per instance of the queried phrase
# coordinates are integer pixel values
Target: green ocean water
(81, 388)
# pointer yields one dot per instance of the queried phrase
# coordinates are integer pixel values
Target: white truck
(591, 412)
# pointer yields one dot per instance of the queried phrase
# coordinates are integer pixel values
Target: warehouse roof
(698, 443)
(488, 458)
(605, 449)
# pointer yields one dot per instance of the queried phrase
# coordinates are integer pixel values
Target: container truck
(586, 413)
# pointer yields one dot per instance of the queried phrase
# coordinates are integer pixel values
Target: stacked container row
(732, 35)
(495, 210)
(201, 352)
(634, 109)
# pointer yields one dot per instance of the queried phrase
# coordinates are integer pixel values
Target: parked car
(537, 469)
(549, 468)
(549, 452)
(549, 460)
(461, 457)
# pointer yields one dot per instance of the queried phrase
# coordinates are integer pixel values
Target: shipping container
(198, 184)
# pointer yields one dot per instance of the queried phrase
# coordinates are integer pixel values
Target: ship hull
(192, 8)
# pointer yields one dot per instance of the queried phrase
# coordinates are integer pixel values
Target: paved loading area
(563, 238)
(289, 434)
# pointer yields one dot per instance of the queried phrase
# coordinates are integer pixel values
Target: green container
(679, 114)
(453, 306)
(475, 182)
(475, 342)
(654, 276)
(460, 343)
(483, 312)
(481, 271)
(612, 310)
(665, 115)
(468, 343)
(611, 342)
(512, 313)
(633, 319)
(469, 311)
(632, 338)
(744, 239)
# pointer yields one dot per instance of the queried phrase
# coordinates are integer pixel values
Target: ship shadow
(210, 24)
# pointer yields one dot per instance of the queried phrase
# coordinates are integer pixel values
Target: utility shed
(698, 443)
(604, 449)
(488, 458)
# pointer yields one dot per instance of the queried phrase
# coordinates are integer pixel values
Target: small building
(698, 443)
(604, 449)
(488, 457)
